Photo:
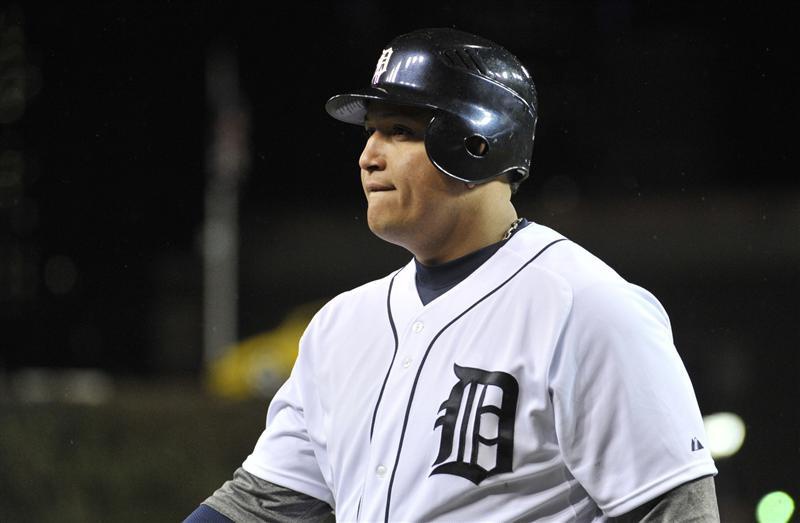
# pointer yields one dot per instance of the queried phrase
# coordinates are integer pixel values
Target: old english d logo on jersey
(477, 425)
(383, 63)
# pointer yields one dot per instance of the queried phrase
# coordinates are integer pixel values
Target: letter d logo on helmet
(383, 61)
(483, 99)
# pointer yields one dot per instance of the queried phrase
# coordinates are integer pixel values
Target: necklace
(511, 230)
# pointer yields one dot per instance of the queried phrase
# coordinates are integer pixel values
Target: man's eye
(399, 129)
(395, 130)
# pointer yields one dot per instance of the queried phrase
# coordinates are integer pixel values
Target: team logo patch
(383, 64)
(477, 425)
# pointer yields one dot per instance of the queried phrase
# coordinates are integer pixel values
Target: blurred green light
(726, 432)
(775, 507)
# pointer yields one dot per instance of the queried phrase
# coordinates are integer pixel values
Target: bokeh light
(726, 432)
(775, 507)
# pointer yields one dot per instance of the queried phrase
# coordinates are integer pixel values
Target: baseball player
(504, 373)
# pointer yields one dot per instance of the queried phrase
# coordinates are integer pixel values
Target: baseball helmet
(483, 100)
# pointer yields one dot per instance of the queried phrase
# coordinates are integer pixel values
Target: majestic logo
(477, 438)
(383, 63)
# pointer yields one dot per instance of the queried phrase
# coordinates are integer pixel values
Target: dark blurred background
(171, 186)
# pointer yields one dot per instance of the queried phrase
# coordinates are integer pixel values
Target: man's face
(408, 199)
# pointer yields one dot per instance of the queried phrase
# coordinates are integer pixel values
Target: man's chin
(379, 227)
(385, 229)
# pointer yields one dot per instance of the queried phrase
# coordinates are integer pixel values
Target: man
(504, 373)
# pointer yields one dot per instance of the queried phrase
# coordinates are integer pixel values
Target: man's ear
(470, 185)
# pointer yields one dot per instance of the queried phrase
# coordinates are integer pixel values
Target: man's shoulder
(370, 289)
(595, 288)
(560, 257)
(369, 295)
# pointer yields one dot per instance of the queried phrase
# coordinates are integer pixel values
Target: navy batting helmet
(484, 101)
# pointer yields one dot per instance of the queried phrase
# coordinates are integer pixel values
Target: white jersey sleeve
(288, 453)
(626, 416)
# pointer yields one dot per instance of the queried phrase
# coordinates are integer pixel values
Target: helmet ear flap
(448, 143)
(462, 151)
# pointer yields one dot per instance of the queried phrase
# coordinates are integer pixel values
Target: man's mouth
(378, 187)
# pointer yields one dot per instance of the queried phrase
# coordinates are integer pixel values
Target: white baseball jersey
(542, 387)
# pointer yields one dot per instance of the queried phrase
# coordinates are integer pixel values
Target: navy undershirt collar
(434, 280)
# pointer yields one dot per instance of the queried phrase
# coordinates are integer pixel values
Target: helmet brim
(352, 107)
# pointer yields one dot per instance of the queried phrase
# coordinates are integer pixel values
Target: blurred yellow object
(258, 366)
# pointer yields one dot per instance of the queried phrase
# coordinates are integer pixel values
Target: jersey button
(380, 471)
(418, 326)
(407, 362)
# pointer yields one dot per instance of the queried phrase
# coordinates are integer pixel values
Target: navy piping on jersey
(434, 280)
(425, 357)
(386, 378)
(394, 333)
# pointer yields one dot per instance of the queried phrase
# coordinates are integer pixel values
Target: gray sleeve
(695, 502)
(248, 498)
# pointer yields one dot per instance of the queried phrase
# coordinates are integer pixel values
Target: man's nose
(372, 157)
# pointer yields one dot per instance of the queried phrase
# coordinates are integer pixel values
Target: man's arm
(695, 501)
(250, 498)
(627, 419)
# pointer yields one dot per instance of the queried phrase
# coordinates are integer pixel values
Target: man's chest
(444, 398)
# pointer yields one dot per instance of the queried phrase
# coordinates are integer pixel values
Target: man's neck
(465, 238)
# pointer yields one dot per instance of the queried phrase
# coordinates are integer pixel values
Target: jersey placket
(413, 340)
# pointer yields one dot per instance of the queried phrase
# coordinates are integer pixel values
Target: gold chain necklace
(513, 228)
